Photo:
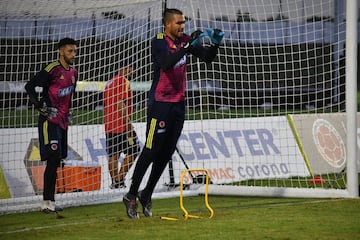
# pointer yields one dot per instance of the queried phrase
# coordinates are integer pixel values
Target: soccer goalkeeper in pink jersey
(166, 103)
(58, 82)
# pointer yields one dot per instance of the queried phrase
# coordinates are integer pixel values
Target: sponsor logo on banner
(323, 138)
(329, 143)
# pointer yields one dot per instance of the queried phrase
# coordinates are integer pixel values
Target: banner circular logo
(329, 143)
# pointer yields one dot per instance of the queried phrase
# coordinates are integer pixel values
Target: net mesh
(280, 64)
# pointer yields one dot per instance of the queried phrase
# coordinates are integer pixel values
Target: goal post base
(226, 190)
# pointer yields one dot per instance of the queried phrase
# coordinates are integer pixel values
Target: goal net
(266, 118)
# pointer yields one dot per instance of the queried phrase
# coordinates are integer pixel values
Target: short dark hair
(66, 41)
(167, 15)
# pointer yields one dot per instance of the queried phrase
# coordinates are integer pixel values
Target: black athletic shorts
(52, 140)
(117, 143)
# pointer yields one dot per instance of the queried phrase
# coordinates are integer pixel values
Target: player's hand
(216, 35)
(49, 112)
(194, 39)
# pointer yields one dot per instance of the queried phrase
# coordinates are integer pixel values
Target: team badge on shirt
(162, 124)
(162, 128)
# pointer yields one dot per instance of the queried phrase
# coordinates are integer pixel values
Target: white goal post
(275, 114)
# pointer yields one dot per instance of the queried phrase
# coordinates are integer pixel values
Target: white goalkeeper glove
(49, 112)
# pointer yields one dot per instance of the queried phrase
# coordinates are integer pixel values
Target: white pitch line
(48, 227)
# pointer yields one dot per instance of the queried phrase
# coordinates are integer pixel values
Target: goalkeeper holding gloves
(166, 103)
(58, 81)
(48, 112)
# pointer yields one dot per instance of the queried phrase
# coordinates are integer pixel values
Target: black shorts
(164, 125)
(52, 140)
(117, 143)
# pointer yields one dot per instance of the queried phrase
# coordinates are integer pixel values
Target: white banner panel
(231, 149)
(323, 137)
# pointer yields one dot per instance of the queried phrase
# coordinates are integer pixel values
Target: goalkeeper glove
(49, 112)
(216, 35)
(194, 39)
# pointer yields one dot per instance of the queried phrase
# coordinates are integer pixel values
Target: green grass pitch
(235, 218)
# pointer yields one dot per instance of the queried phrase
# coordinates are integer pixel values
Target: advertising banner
(323, 137)
(231, 150)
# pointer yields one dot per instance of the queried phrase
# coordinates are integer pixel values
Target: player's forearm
(206, 54)
(127, 121)
(122, 108)
(30, 90)
(39, 80)
(129, 127)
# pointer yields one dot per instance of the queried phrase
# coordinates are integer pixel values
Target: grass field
(235, 218)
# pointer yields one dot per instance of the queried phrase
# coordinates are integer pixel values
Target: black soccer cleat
(131, 206)
(146, 204)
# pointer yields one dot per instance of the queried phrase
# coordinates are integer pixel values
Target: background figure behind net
(119, 131)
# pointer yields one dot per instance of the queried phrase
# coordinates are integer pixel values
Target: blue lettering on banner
(198, 146)
(96, 152)
(209, 145)
(205, 146)
(267, 140)
(187, 156)
(252, 142)
(234, 135)
(221, 146)
(263, 170)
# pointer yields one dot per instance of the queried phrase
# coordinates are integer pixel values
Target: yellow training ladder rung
(186, 214)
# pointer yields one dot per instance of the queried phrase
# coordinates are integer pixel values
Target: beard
(69, 61)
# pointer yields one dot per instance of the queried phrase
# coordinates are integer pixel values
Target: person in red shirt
(58, 82)
(119, 131)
